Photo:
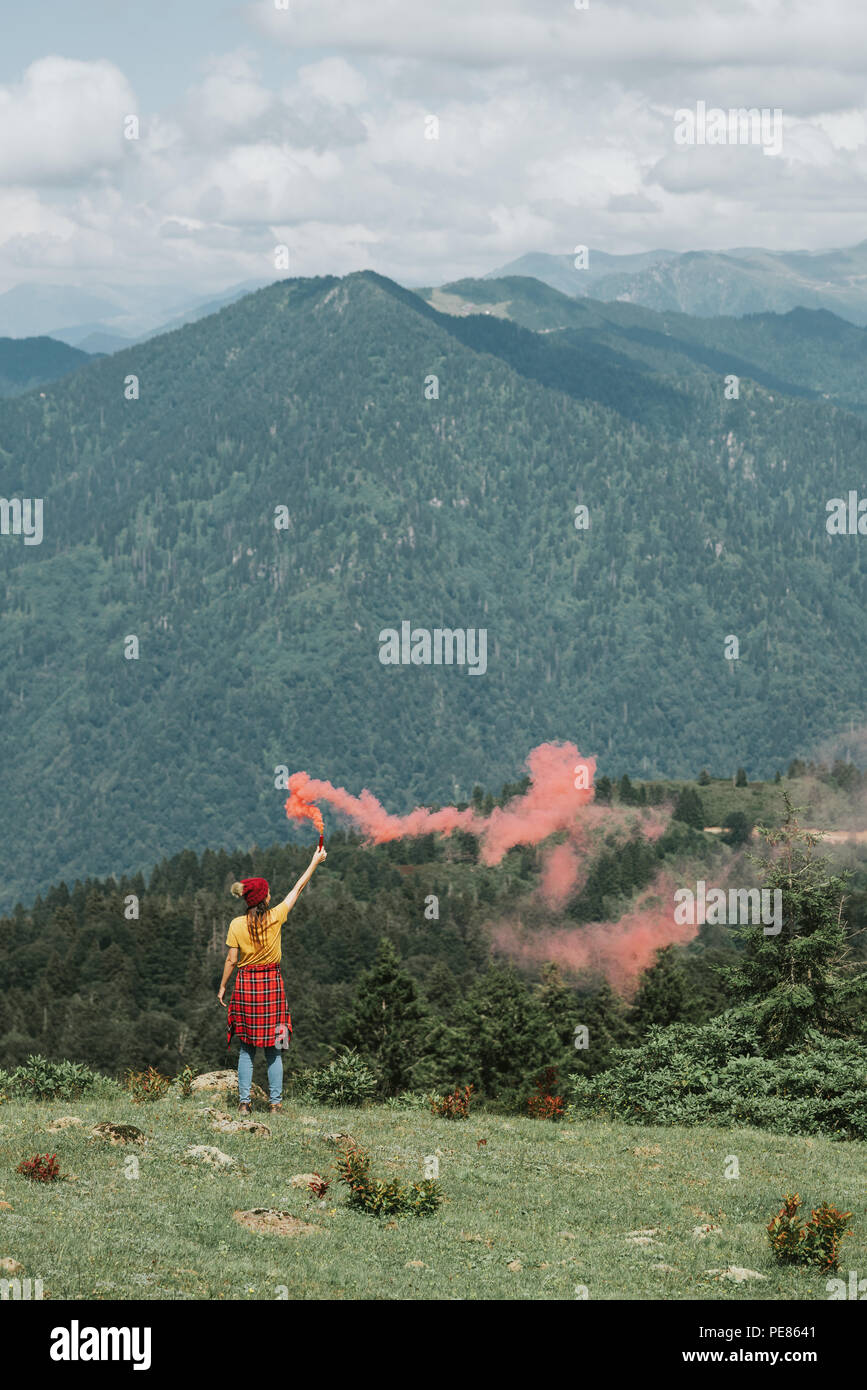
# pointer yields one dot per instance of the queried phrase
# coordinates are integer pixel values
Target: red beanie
(256, 890)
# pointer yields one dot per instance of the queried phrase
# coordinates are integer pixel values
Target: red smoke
(550, 803)
(299, 805)
(619, 950)
(560, 874)
(563, 871)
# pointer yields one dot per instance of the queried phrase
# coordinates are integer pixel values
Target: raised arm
(292, 897)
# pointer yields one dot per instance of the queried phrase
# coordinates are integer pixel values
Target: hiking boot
(244, 1108)
(277, 1109)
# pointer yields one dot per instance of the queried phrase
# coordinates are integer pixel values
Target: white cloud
(334, 81)
(555, 128)
(63, 122)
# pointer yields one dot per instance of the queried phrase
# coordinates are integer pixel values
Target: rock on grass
(206, 1153)
(118, 1134)
(227, 1126)
(223, 1081)
(735, 1274)
(267, 1221)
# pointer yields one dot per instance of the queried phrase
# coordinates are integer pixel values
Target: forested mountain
(259, 646)
(28, 362)
(805, 352)
(741, 281)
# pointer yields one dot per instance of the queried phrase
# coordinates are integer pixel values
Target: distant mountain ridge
(710, 283)
(805, 352)
(110, 317)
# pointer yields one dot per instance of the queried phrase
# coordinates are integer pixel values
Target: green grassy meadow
(535, 1212)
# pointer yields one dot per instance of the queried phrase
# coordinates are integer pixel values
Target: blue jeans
(274, 1062)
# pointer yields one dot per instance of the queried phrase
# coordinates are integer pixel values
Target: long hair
(257, 917)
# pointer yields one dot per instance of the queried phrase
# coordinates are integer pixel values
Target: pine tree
(801, 979)
(738, 829)
(602, 1013)
(689, 809)
(662, 994)
(603, 789)
(626, 791)
(385, 1020)
(441, 990)
(507, 1037)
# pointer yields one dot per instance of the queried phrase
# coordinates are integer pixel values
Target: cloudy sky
(306, 126)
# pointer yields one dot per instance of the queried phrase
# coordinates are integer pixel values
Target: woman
(258, 1012)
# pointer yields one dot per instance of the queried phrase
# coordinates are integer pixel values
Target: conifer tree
(385, 1020)
(661, 996)
(802, 979)
(689, 809)
(738, 828)
(603, 1014)
(507, 1035)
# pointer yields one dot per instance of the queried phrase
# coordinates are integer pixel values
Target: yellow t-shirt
(269, 951)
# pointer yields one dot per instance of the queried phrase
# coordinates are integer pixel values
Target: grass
(557, 1200)
(825, 807)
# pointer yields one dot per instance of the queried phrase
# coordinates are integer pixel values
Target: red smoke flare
(299, 804)
(550, 803)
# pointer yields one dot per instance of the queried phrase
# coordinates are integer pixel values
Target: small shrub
(40, 1168)
(407, 1100)
(823, 1236)
(454, 1106)
(544, 1105)
(384, 1198)
(39, 1079)
(185, 1080)
(714, 1074)
(815, 1242)
(319, 1186)
(348, 1080)
(785, 1231)
(146, 1085)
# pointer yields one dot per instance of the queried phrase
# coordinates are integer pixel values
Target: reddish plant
(544, 1105)
(816, 1242)
(319, 1186)
(454, 1106)
(40, 1168)
(823, 1235)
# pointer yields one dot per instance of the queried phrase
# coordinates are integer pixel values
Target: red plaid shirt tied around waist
(258, 1007)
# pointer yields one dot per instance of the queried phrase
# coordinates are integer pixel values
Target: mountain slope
(260, 647)
(709, 283)
(806, 352)
(28, 362)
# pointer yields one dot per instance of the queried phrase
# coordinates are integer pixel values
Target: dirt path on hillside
(834, 837)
